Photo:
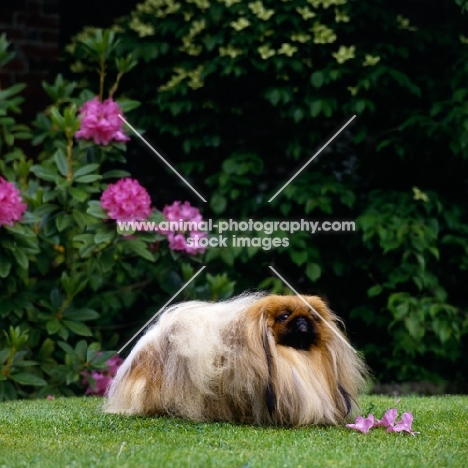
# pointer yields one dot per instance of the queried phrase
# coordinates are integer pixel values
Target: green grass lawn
(73, 432)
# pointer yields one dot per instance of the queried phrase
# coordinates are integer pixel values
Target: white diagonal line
(161, 309)
(311, 308)
(312, 158)
(157, 154)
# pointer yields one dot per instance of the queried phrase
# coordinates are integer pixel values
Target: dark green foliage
(241, 95)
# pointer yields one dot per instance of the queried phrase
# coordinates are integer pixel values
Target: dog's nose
(302, 325)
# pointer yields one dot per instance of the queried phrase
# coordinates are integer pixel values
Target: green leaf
(95, 209)
(5, 267)
(374, 290)
(46, 349)
(62, 221)
(50, 194)
(78, 327)
(22, 258)
(61, 160)
(442, 329)
(86, 238)
(230, 166)
(273, 95)
(45, 173)
(128, 105)
(299, 257)
(80, 315)
(26, 363)
(4, 355)
(434, 251)
(105, 236)
(25, 378)
(83, 219)
(101, 359)
(315, 108)
(85, 170)
(218, 203)
(15, 228)
(87, 179)
(56, 298)
(317, 79)
(107, 260)
(298, 115)
(360, 106)
(57, 118)
(78, 194)
(139, 248)
(80, 349)
(170, 282)
(67, 348)
(400, 311)
(313, 271)
(11, 91)
(45, 210)
(414, 327)
(52, 326)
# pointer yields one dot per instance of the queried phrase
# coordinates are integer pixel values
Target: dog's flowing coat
(253, 359)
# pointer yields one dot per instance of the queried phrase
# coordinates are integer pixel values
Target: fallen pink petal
(362, 424)
(404, 424)
(389, 418)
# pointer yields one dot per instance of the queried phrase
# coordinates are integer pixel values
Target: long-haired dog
(260, 359)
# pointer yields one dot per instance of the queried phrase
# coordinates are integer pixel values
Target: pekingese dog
(257, 359)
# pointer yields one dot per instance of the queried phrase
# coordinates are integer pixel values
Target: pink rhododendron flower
(389, 418)
(126, 200)
(114, 363)
(362, 424)
(101, 382)
(102, 378)
(404, 424)
(11, 204)
(183, 212)
(177, 241)
(100, 122)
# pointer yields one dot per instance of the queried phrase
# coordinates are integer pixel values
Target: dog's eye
(283, 317)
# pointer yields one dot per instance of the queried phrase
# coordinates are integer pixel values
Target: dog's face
(294, 327)
(295, 324)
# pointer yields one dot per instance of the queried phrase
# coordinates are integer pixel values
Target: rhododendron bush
(73, 286)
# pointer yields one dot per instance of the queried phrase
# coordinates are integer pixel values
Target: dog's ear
(347, 399)
(270, 396)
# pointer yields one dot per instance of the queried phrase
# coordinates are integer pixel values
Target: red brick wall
(32, 26)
